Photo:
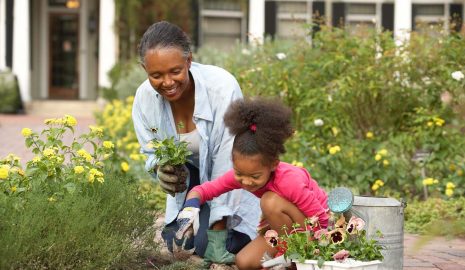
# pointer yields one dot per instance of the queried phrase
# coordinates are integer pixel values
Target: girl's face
(250, 172)
(168, 72)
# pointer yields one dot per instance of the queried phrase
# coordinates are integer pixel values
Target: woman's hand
(170, 182)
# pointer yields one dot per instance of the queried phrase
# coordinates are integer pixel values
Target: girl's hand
(188, 222)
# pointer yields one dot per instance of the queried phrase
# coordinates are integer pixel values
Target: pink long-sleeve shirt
(290, 182)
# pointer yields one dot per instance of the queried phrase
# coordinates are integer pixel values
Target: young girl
(287, 193)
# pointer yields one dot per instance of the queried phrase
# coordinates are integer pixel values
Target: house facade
(63, 49)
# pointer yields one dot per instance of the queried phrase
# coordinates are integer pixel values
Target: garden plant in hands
(172, 155)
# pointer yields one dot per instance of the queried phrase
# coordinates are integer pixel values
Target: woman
(181, 91)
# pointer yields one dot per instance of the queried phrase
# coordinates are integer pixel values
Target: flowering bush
(94, 214)
(352, 97)
(341, 240)
(57, 167)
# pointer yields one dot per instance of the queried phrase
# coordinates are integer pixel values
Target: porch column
(2, 34)
(21, 47)
(402, 19)
(256, 21)
(107, 41)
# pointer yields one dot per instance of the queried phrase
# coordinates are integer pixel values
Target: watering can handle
(341, 199)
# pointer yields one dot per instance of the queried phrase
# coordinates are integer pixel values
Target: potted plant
(342, 245)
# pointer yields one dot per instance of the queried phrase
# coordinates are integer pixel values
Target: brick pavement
(436, 254)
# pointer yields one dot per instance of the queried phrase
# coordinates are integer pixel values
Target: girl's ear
(274, 164)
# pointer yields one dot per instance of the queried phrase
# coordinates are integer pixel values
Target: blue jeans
(234, 243)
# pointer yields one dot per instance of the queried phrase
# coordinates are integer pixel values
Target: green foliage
(135, 16)
(97, 228)
(354, 96)
(323, 245)
(170, 151)
(436, 217)
(10, 100)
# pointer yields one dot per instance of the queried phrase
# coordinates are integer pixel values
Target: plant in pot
(342, 245)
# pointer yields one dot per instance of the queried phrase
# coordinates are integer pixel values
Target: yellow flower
(51, 199)
(27, 132)
(375, 187)
(379, 182)
(13, 189)
(100, 180)
(125, 166)
(333, 150)
(369, 135)
(48, 152)
(378, 157)
(78, 169)
(70, 120)
(385, 162)
(383, 152)
(449, 192)
(450, 185)
(108, 144)
(335, 131)
(438, 121)
(36, 159)
(135, 157)
(428, 181)
(429, 124)
(4, 173)
(96, 130)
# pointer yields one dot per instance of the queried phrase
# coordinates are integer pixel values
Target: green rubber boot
(216, 248)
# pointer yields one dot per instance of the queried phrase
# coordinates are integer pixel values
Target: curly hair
(260, 125)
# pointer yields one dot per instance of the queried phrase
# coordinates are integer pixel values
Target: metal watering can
(380, 214)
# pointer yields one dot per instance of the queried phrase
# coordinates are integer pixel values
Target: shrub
(353, 97)
(70, 208)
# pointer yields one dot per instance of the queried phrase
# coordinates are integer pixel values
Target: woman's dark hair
(261, 126)
(164, 35)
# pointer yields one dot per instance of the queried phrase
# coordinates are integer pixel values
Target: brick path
(436, 254)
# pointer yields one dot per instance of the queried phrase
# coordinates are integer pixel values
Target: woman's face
(168, 72)
(250, 172)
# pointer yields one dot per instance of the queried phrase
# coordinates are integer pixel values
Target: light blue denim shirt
(215, 89)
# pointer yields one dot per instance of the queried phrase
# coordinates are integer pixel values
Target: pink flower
(271, 237)
(341, 255)
(313, 220)
(319, 233)
(355, 224)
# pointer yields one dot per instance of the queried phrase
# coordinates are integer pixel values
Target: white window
(361, 17)
(292, 16)
(223, 23)
(430, 18)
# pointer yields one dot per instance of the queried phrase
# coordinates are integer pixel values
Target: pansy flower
(337, 236)
(355, 224)
(271, 237)
(341, 255)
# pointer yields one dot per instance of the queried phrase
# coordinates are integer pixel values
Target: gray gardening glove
(169, 181)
